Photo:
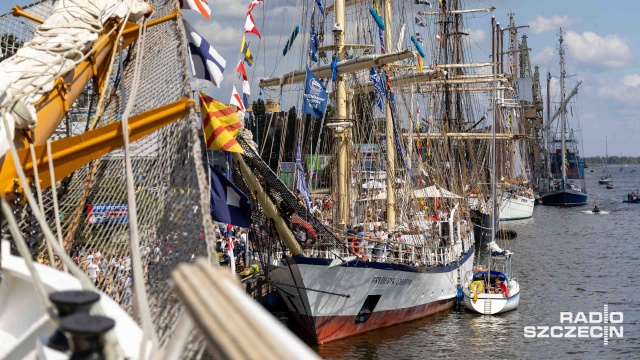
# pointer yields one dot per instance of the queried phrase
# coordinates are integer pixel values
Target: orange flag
(221, 125)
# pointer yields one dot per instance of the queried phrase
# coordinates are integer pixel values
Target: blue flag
(228, 204)
(315, 97)
(320, 6)
(378, 87)
(302, 183)
(313, 39)
(334, 68)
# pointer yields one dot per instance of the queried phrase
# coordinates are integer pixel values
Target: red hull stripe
(329, 328)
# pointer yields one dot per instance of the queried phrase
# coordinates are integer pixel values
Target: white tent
(373, 184)
(433, 192)
(428, 192)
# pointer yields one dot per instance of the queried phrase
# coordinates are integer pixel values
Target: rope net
(168, 174)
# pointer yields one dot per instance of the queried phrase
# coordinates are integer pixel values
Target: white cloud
(544, 56)
(627, 90)
(554, 23)
(600, 52)
(632, 80)
(476, 36)
(590, 50)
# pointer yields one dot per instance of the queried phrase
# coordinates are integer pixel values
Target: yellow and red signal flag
(220, 124)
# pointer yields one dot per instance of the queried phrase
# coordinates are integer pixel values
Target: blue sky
(603, 46)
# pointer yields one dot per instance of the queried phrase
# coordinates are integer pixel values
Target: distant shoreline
(613, 160)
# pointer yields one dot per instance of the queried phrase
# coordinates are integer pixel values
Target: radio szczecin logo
(605, 325)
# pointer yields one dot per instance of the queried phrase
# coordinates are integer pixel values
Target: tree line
(613, 160)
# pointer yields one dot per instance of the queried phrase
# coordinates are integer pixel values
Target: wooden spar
(390, 138)
(426, 78)
(52, 107)
(346, 46)
(445, 66)
(347, 66)
(347, 3)
(454, 12)
(467, 136)
(71, 153)
(268, 206)
(563, 106)
(424, 89)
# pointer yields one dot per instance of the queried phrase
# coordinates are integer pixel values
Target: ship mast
(342, 133)
(390, 138)
(562, 115)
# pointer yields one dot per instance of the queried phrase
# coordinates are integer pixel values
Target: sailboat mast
(548, 135)
(562, 115)
(494, 109)
(390, 138)
(342, 133)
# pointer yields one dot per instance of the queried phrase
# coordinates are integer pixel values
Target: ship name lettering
(382, 280)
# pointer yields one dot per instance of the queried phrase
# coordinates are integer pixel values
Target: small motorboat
(610, 186)
(596, 209)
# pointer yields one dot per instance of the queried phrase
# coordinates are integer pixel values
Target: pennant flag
(235, 100)
(438, 35)
(197, 5)
(313, 39)
(240, 69)
(289, 43)
(206, 63)
(253, 4)
(302, 183)
(383, 50)
(244, 49)
(220, 124)
(377, 18)
(334, 68)
(418, 46)
(420, 22)
(250, 26)
(315, 97)
(378, 88)
(320, 6)
(422, 2)
(419, 38)
(246, 91)
(228, 204)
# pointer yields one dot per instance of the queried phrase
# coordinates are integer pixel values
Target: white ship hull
(515, 207)
(334, 302)
(490, 304)
(23, 321)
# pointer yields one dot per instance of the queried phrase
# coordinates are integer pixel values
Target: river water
(566, 260)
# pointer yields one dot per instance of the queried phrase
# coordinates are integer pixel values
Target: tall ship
(392, 240)
(515, 188)
(565, 185)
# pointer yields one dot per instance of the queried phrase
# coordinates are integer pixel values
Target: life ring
(476, 287)
(356, 249)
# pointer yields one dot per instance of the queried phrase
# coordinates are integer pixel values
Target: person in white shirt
(93, 269)
(229, 252)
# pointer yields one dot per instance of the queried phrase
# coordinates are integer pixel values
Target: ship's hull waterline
(564, 198)
(340, 301)
(516, 207)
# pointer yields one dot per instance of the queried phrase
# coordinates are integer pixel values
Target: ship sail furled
(389, 218)
(58, 46)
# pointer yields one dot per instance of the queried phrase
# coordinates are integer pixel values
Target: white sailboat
(490, 291)
(606, 179)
